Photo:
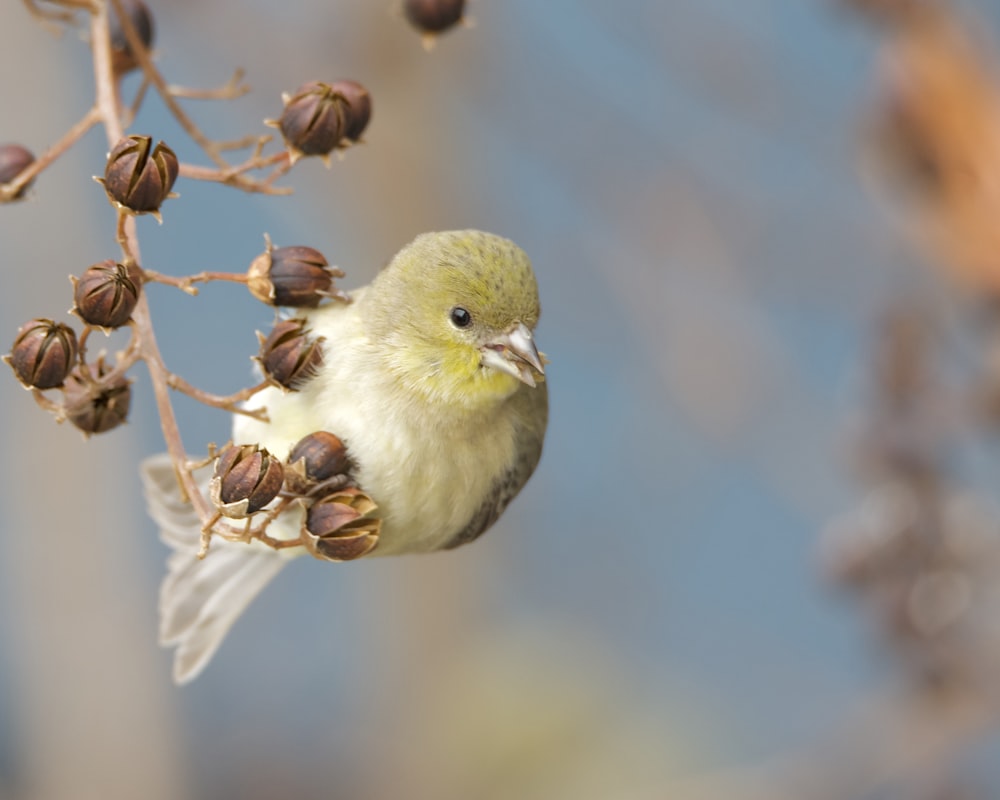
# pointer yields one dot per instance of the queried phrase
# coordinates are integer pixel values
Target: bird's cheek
(460, 362)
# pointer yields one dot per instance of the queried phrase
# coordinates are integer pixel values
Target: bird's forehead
(479, 268)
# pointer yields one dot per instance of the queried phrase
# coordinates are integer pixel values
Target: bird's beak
(514, 352)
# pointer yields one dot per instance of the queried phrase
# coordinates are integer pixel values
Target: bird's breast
(429, 475)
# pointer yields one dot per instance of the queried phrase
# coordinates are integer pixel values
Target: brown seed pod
(138, 176)
(122, 58)
(314, 459)
(14, 159)
(295, 276)
(93, 402)
(339, 527)
(247, 478)
(106, 294)
(433, 16)
(314, 119)
(290, 355)
(358, 108)
(43, 354)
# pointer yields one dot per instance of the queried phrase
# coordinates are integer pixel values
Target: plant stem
(109, 107)
(224, 402)
(8, 191)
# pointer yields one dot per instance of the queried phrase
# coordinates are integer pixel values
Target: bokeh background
(653, 616)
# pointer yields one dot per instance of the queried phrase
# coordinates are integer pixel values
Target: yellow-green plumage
(441, 439)
(406, 311)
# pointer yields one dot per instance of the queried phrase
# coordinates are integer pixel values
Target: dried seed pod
(138, 176)
(247, 478)
(433, 16)
(95, 403)
(358, 108)
(359, 542)
(122, 58)
(315, 458)
(43, 353)
(339, 527)
(291, 276)
(14, 159)
(314, 120)
(106, 294)
(289, 355)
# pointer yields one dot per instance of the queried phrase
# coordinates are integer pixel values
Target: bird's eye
(460, 317)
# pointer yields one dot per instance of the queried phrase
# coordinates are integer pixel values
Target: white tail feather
(200, 599)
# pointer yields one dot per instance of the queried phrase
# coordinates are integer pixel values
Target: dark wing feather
(532, 416)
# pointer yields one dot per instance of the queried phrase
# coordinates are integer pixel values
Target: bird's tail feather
(200, 599)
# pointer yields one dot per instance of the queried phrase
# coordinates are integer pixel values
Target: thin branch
(47, 15)
(231, 90)
(8, 191)
(125, 359)
(282, 169)
(234, 175)
(159, 376)
(108, 104)
(140, 96)
(81, 345)
(250, 140)
(48, 405)
(224, 402)
(104, 76)
(85, 5)
(125, 236)
(206, 535)
(185, 283)
(277, 544)
(255, 527)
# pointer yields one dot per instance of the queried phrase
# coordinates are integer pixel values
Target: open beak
(514, 352)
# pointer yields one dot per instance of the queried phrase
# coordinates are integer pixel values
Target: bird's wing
(530, 412)
(200, 599)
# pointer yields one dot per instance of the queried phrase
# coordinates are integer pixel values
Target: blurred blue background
(684, 177)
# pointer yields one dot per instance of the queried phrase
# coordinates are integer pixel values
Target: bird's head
(454, 315)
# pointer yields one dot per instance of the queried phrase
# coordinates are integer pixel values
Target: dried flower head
(247, 478)
(122, 58)
(95, 400)
(293, 276)
(320, 117)
(314, 459)
(290, 355)
(433, 16)
(106, 294)
(139, 177)
(312, 122)
(43, 353)
(339, 527)
(14, 160)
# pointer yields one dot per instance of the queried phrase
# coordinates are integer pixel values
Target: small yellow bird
(431, 377)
